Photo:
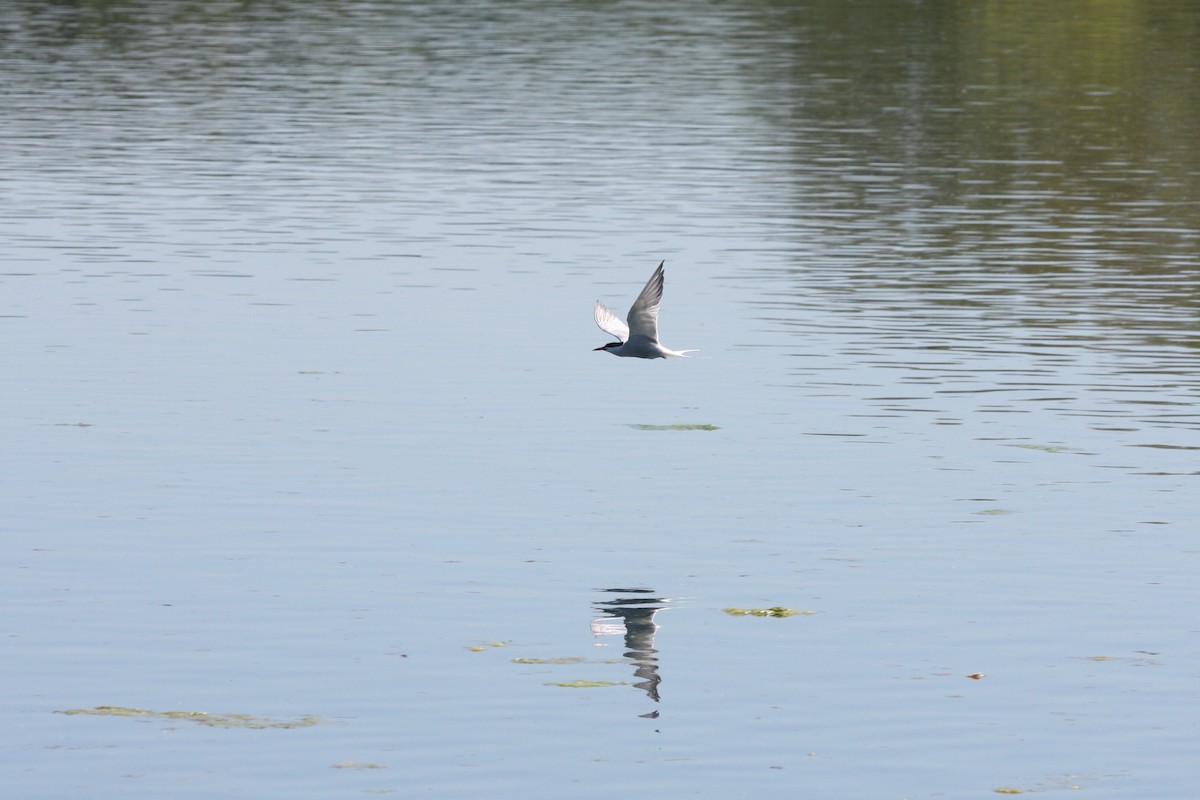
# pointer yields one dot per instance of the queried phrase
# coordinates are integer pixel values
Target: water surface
(303, 420)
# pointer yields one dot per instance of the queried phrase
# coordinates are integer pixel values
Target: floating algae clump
(1045, 448)
(586, 684)
(773, 611)
(675, 427)
(200, 717)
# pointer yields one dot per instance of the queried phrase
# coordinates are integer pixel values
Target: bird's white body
(638, 339)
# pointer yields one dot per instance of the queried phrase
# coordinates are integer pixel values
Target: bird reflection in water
(631, 612)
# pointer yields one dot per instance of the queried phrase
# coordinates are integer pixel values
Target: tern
(638, 339)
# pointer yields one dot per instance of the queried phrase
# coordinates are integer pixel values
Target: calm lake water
(304, 429)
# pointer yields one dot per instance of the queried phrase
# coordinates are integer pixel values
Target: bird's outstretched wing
(643, 315)
(610, 323)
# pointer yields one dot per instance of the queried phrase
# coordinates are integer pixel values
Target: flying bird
(638, 339)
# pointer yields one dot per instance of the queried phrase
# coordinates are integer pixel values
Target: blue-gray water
(302, 421)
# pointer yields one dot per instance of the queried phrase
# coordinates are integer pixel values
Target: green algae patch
(773, 611)
(359, 765)
(479, 648)
(585, 684)
(248, 721)
(1008, 790)
(564, 660)
(637, 427)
